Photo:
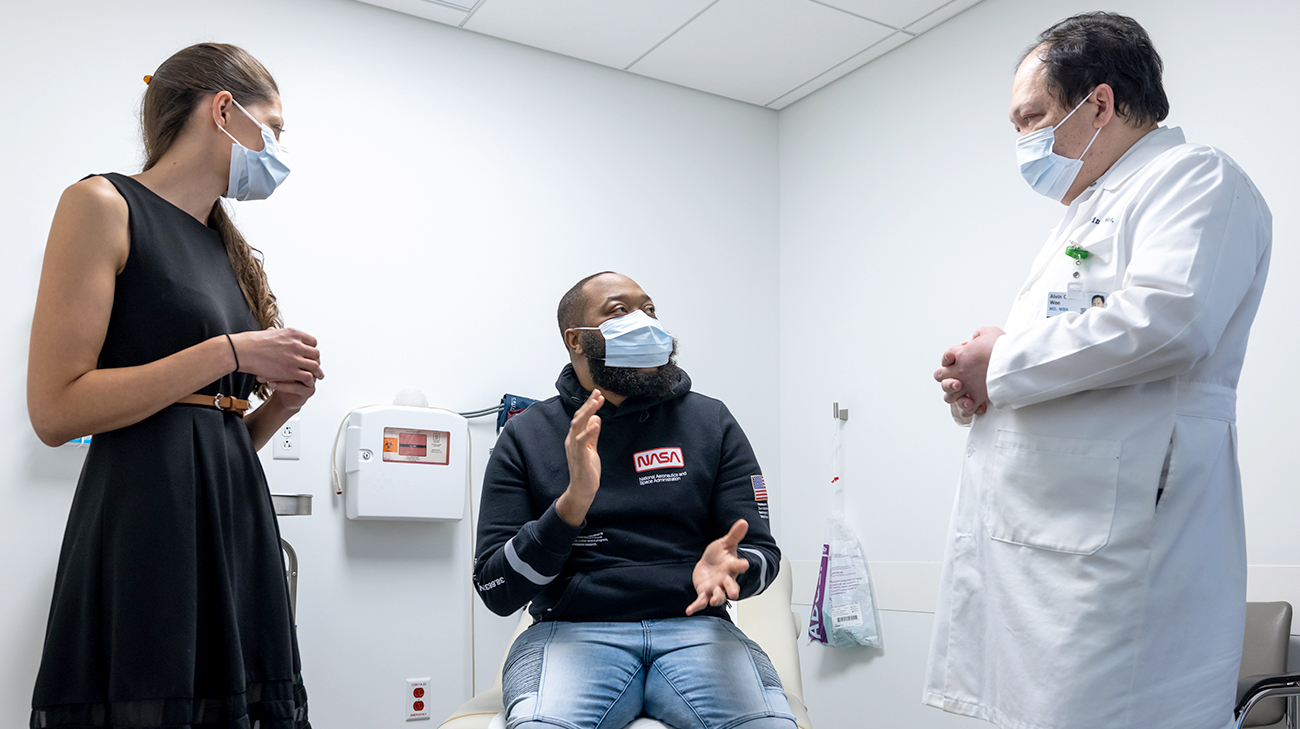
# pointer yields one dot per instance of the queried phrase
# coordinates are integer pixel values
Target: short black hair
(569, 312)
(1084, 51)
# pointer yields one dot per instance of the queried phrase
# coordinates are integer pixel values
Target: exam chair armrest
(768, 620)
(1249, 687)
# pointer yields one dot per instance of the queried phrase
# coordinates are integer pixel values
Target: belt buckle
(216, 402)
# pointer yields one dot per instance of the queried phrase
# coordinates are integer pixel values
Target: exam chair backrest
(1264, 652)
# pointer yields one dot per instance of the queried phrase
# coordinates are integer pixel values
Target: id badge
(1075, 299)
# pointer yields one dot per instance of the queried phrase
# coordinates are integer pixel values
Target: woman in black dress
(153, 325)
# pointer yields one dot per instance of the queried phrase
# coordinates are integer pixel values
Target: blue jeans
(690, 673)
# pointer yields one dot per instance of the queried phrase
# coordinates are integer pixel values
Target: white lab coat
(1070, 599)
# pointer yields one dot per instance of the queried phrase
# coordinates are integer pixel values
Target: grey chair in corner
(1267, 695)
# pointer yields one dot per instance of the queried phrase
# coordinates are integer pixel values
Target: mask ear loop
(1094, 138)
(232, 137)
(1054, 126)
(1058, 124)
(260, 125)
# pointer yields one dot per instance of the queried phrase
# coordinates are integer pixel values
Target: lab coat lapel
(1143, 151)
(1056, 243)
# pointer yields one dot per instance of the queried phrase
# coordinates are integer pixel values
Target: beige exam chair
(767, 619)
(1263, 669)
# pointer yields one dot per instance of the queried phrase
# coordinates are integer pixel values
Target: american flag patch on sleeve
(760, 488)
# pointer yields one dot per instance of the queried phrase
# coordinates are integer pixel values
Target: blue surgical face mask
(255, 175)
(1047, 172)
(635, 340)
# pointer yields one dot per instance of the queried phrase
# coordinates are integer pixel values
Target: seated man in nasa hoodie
(626, 512)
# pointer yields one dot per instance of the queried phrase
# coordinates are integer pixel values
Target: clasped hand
(284, 359)
(963, 374)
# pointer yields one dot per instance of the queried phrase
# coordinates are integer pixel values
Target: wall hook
(840, 414)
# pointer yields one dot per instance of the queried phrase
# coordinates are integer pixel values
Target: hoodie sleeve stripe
(523, 568)
(762, 567)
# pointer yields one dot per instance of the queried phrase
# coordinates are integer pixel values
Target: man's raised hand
(584, 462)
(715, 574)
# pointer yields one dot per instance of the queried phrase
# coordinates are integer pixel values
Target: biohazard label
(403, 445)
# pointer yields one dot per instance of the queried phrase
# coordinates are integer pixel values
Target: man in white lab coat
(1096, 566)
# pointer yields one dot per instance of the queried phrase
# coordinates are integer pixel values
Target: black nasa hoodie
(676, 473)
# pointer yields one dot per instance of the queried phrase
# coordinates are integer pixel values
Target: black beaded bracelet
(232, 351)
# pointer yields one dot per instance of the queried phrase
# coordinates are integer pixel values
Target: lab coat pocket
(1053, 493)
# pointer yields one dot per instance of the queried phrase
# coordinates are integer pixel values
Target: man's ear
(572, 341)
(1105, 98)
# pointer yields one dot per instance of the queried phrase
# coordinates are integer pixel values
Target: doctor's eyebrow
(621, 299)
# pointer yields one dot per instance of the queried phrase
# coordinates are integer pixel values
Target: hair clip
(147, 79)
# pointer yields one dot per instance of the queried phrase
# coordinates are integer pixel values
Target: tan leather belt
(218, 401)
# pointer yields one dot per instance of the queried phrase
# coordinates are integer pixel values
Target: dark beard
(629, 382)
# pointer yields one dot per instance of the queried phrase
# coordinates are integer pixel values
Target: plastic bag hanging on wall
(844, 607)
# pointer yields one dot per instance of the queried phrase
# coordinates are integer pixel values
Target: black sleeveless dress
(170, 605)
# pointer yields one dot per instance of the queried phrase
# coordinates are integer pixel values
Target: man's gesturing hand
(584, 462)
(715, 574)
(964, 372)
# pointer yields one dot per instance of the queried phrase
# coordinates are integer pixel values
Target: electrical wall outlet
(417, 699)
(285, 442)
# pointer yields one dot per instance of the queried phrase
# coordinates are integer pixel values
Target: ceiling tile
(611, 32)
(852, 64)
(896, 13)
(758, 50)
(423, 9)
(940, 15)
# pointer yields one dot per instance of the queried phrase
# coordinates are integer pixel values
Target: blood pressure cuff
(511, 405)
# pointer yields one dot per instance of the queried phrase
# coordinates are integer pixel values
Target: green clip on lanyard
(1077, 253)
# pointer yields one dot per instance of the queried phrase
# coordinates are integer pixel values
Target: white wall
(904, 226)
(433, 168)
